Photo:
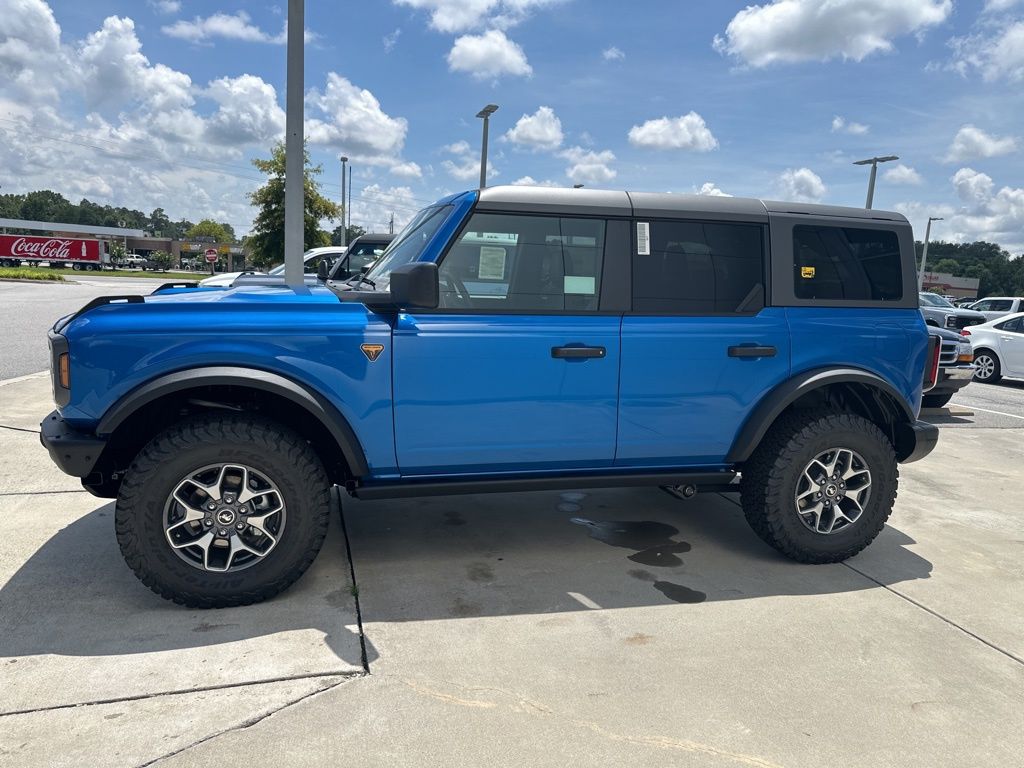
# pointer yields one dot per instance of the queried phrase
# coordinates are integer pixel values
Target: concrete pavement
(598, 627)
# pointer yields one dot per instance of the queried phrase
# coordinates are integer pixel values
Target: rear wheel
(936, 401)
(222, 511)
(986, 367)
(820, 486)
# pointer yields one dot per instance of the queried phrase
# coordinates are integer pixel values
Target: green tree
(229, 231)
(947, 267)
(160, 222)
(45, 205)
(266, 242)
(162, 260)
(209, 228)
(353, 232)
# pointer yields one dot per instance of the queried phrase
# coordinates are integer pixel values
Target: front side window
(846, 263)
(524, 263)
(698, 268)
(1000, 305)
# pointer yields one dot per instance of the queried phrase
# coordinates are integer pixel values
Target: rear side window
(524, 263)
(846, 263)
(700, 268)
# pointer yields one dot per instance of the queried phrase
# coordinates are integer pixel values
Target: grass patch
(28, 273)
(164, 276)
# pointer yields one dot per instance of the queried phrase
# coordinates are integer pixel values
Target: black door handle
(749, 350)
(575, 353)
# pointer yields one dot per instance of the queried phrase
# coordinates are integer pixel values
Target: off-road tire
(769, 480)
(936, 401)
(997, 369)
(266, 446)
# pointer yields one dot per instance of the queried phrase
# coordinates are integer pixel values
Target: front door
(517, 370)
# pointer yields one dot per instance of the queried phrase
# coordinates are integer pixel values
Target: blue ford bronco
(508, 339)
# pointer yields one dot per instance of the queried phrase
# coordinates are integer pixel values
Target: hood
(945, 334)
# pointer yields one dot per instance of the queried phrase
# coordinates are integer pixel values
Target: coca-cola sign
(48, 248)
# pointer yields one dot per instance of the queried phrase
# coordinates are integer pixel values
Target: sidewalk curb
(27, 377)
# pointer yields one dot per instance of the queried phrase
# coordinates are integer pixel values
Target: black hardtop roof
(383, 237)
(660, 204)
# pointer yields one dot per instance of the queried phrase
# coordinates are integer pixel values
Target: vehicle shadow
(546, 552)
(76, 597)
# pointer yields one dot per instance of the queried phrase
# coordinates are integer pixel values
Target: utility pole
(485, 114)
(924, 252)
(348, 208)
(873, 162)
(391, 224)
(294, 204)
(344, 203)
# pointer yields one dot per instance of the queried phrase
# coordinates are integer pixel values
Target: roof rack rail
(103, 301)
(179, 284)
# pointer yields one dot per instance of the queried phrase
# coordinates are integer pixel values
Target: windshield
(308, 263)
(935, 301)
(407, 247)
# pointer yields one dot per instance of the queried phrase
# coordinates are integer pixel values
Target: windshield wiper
(360, 279)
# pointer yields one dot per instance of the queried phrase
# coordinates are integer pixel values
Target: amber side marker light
(64, 371)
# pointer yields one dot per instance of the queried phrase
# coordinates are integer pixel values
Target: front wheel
(222, 511)
(820, 486)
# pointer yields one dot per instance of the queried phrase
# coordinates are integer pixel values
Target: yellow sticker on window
(807, 272)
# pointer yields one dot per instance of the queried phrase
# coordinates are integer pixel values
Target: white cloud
(529, 181)
(786, 31)
(708, 188)
(902, 174)
(612, 54)
(237, 26)
(465, 163)
(541, 130)
(840, 125)
(354, 122)
(588, 167)
(391, 40)
(461, 15)
(686, 132)
(994, 6)
(971, 142)
(408, 170)
(166, 6)
(802, 185)
(488, 56)
(373, 206)
(33, 65)
(248, 112)
(997, 55)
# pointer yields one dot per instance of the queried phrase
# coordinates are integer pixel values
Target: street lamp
(873, 162)
(344, 204)
(924, 252)
(485, 114)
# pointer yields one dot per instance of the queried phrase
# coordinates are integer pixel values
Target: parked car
(136, 262)
(998, 348)
(510, 339)
(940, 313)
(956, 367)
(995, 307)
(310, 262)
(362, 253)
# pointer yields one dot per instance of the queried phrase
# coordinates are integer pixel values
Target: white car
(998, 348)
(310, 260)
(995, 307)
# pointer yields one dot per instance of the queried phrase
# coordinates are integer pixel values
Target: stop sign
(211, 255)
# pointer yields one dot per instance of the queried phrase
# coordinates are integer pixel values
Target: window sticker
(807, 272)
(577, 285)
(643, 238)
(492, 263)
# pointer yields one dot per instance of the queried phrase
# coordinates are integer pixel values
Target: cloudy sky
(162, 103)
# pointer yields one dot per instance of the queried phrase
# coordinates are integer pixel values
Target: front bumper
(952, 379)
(915, 441)
(76, 453)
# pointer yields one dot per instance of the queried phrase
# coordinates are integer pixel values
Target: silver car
(940, 313)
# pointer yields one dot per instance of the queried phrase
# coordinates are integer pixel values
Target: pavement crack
(20, 429)
(41, 493)
(336, 494)
(937, 615)
(182, 692)
(248, 723)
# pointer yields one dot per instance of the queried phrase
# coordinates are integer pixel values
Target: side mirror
(415, 286)
(321, 271)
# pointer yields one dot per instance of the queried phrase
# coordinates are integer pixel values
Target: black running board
(696, 480)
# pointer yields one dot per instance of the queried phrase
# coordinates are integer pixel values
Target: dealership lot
(513, 629)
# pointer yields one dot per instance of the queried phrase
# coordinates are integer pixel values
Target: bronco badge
(372, 351)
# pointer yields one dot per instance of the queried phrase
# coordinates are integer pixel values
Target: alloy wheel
(833, 490)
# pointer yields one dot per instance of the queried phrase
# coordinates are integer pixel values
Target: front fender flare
(787, 393)
(253, 378)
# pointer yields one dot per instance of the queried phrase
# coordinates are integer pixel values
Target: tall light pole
(873, 162)
(348, 205)
(924, 252)
(294, 206)
(485, 113)
(344, 203)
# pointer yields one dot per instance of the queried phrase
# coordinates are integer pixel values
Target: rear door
(699, 348)
(518, 369)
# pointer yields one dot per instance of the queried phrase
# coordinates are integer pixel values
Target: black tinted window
(1016, 325)
(528, 263)
(697, 268)
(846, 263)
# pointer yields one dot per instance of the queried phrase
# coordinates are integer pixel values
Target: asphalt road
(27, 311)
